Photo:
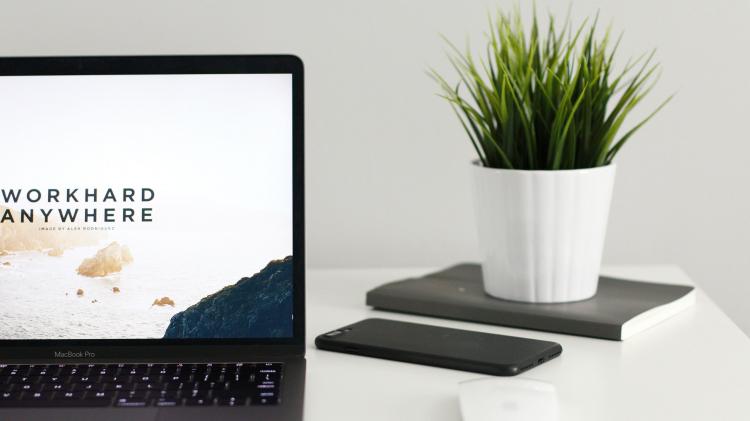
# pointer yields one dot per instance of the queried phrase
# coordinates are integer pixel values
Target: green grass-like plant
(549, 102)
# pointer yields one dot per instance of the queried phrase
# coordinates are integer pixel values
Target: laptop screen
(146, 206)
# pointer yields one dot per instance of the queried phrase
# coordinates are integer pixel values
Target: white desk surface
(694, 366)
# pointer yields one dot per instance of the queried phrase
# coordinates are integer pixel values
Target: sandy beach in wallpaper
(45, 296)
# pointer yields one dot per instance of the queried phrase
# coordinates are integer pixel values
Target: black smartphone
(479, 352)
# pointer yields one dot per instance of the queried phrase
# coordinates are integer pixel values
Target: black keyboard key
(165, 394)
(9, 396)
(232, 398)
(69, 395)
(213, 376)
(100, 395)
(55, 386)
(145, 386)
(131, 402)
(267, 377)
(69, 370)
(135, 371)
(102, 371)
(231, 401)
(168, 402)
(134, 394)
(265, 393)
(37, 396)
(264, 400)
(199, 401)
(114, 386)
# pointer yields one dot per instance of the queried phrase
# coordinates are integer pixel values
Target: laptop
(151, 238)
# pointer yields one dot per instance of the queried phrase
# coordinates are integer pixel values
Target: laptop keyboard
(139, 385)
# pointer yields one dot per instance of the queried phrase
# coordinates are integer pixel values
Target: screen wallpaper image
(146, 207)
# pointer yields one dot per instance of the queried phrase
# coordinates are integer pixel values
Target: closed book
(620, 309)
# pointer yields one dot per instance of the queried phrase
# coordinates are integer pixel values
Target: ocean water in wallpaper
(145, 206)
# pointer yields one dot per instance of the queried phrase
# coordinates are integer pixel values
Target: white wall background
(388, 183)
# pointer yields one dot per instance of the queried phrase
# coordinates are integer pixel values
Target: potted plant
(543, 112)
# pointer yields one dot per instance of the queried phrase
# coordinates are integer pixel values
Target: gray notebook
(620, 309)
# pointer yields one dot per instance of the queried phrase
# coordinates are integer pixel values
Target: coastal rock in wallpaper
(32, 236)
(256, 307)
(108, 260)
(55, 252)
(163, 301)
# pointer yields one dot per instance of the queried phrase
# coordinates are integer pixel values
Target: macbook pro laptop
(151, 238)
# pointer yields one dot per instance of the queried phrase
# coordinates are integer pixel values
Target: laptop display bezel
(181, 349)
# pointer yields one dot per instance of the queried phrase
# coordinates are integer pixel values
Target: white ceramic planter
(541, 233)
